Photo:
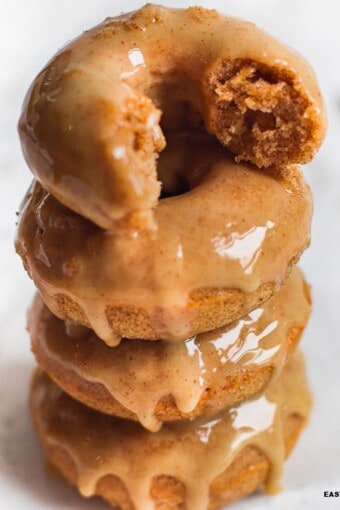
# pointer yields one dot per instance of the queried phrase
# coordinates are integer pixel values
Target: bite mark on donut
(260, 113)
(144, 141)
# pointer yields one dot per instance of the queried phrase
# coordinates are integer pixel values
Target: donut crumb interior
(260, 113)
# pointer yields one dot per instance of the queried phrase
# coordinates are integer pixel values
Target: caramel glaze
(90, 127)
(195, 453)
(237, 228)
(140, 375)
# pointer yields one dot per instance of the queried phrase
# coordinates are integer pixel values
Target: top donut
(96, 118)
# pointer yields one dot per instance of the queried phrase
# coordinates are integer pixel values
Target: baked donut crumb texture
(162, 230)
(261, 114)
(97, 117)
(201, 464)
(156, 382)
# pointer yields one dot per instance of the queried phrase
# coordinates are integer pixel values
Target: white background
(31, 31)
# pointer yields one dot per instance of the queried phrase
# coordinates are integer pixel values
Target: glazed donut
(90, 127)
(193, 465)
(160, 381)
(221, 249)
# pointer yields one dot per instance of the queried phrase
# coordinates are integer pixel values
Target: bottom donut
(193, 465)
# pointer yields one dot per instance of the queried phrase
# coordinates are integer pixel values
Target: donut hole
(173, 185)
(185, 161)
(177, 96)
(182, 126)
(184, 132)
(171, 169)
(258, 112)
(194, 117)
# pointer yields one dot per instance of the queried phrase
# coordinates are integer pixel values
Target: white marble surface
(31, 31)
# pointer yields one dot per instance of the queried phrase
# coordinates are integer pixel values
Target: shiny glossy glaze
(90, 124)
(139, 374)
(193, 452)
(237, 228)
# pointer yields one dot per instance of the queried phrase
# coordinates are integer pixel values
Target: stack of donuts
(162, 231)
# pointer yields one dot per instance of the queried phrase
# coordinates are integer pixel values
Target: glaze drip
(251, 227)
(140, 374)
(98, 105)
(193, 452)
